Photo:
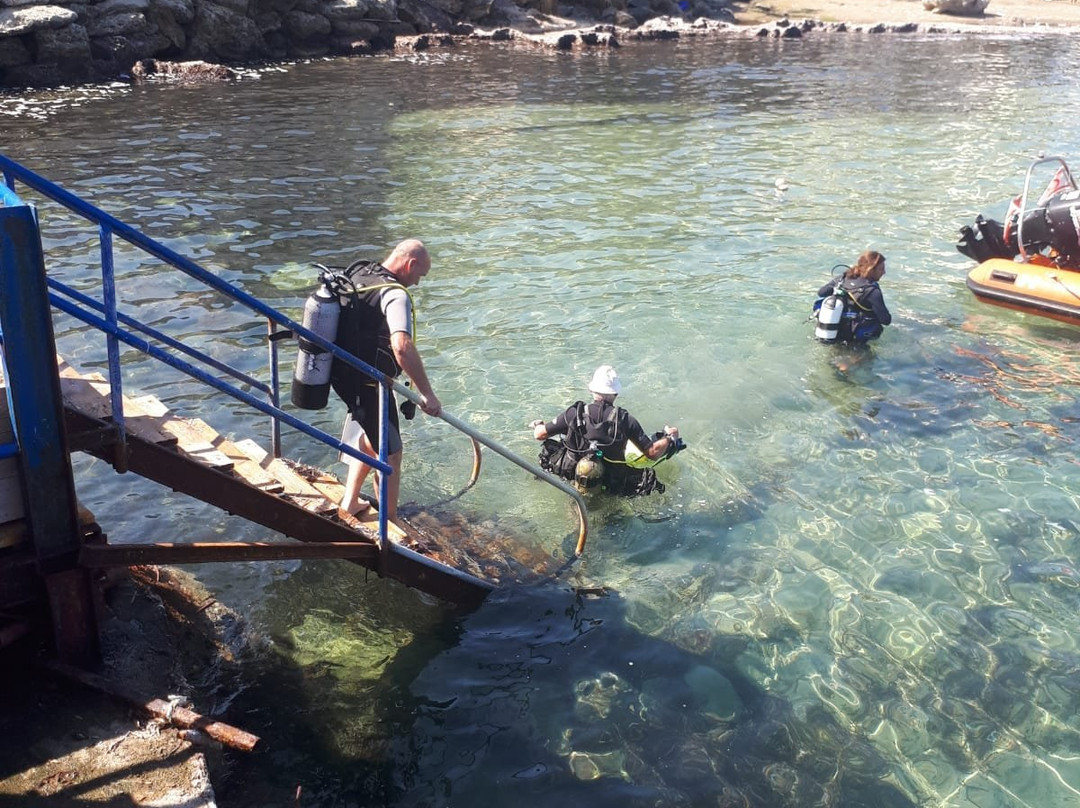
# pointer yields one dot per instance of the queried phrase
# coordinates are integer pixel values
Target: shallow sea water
(858, 589)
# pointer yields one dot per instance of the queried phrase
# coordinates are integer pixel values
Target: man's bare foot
(354, 518)
(362, 507)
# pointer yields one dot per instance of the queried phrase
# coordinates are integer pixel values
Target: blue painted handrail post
(384, 424)
(116, 389)
(38, 418)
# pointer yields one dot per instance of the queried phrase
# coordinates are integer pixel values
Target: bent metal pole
(536, 471)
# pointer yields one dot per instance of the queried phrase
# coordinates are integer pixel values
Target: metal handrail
(175, 344)
(111, 325)
(1024, 196)
(461, 426)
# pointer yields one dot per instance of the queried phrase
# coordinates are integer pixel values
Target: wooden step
(202, 441)
(89, 395)
(296, 488)
(194, 438)
(332, 488)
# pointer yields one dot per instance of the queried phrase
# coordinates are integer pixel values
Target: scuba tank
(588, 473)
(829, 315)
(311, 380)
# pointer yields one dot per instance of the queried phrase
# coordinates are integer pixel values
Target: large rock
(170, 18)
(182, 11)
(220, 34)
(304, 26)
(425, 17)
(170, 30)
(355, 29)
(69, 46)
(453, 8)
(108, 7)
(128, 24)
(965, 8)
(13, 52)
(476, 10)
(34, 75)
(115, 54)
(268, 21)
(24, 20)
(242, 7)
(359, 10)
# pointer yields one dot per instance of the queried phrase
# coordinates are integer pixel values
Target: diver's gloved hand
(676, 444)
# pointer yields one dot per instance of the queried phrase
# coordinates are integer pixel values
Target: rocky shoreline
(48, 43)
(52, 42)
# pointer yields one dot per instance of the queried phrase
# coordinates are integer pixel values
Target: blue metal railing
(104, 316)
(122, 328)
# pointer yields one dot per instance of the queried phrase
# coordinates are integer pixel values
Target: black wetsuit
(364, 331)
(599, 427)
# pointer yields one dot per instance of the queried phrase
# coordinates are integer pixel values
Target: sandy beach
(1012, 13)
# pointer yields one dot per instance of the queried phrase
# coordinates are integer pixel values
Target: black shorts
(364, 420)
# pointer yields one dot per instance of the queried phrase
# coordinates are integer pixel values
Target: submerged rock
(181, 71)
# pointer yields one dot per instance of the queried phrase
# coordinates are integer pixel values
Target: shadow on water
(326, 688)
(543, 696)
(551, 697)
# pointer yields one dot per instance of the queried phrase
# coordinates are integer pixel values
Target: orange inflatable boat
(1036, 286)
(1031, 262)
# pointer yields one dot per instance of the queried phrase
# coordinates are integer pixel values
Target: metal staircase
(141, 435)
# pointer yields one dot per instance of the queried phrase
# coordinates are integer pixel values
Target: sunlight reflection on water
(865, 595)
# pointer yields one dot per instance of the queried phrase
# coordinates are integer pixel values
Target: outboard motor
(311, 380)
(1057, 225)
(829, 315)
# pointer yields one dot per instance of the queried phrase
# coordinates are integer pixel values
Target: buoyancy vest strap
(377, 270)
(851, 294)
(614, 417)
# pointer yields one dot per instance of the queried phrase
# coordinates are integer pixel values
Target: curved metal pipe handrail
(536, 471)
(472, 478)
(1024, 197)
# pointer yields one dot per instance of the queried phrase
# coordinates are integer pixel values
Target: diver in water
(593, 450)
(850, 308)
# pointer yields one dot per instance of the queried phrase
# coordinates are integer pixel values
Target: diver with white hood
(595, 437)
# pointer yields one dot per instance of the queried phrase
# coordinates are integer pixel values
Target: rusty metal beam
(168, 553)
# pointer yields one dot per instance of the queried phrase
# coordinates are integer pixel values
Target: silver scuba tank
(829, 316)
(311, 380)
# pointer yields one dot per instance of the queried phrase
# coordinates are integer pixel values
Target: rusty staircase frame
(140, 435)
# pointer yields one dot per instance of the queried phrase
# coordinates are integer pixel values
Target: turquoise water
(858, 589)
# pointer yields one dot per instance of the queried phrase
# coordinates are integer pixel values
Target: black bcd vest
(363, 330)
